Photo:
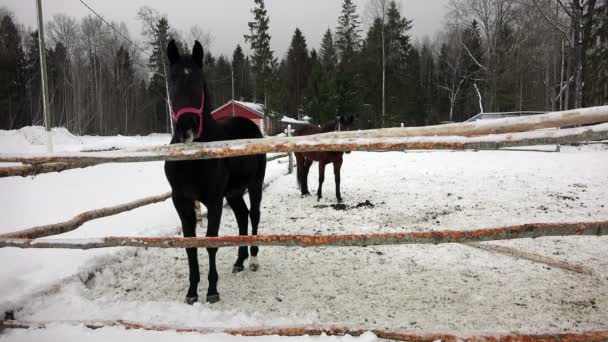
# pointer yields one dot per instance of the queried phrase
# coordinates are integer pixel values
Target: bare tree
(204, 37)
(577, 34)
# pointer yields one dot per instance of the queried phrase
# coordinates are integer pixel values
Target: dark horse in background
(209, 181)
(305, 159)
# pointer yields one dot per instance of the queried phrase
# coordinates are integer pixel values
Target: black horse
(210, 180)
(305, 159)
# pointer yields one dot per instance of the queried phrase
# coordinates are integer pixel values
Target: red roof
(256, 109)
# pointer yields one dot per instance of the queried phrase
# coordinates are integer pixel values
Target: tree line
(492, 55)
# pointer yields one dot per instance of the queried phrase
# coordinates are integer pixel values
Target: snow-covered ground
(448, 287)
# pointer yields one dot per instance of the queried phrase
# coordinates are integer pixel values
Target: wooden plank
(80, 219)
(301, 144)
(331, 330)
(532, 257)
(533, 230)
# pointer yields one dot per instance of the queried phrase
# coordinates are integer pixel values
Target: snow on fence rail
(503, 133)
(331, 330)
(532, 230)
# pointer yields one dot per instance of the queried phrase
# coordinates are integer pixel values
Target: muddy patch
(343, 207)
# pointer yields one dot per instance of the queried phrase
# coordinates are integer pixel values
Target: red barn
(249, 110)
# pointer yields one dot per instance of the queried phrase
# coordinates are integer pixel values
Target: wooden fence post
(290, 165)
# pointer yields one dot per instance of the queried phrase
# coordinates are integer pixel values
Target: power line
(114, 29)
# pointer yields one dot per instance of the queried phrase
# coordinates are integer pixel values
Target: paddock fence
(481, 135)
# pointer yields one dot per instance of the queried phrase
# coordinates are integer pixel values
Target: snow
(287, 119)
(448, 287)
(255, 107)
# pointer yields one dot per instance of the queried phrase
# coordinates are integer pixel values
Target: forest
(490, 56)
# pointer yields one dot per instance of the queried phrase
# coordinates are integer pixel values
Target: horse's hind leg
(241, 213)
(185, 210)
(255, 198)
(321, 179)
(307, 165)
(301, 175)
(337, 167)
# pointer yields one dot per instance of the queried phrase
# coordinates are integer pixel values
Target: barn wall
(239, 111)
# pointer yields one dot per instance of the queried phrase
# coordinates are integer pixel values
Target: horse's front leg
(185, 210)
(337, 167)
(214, 215)
(321, 179)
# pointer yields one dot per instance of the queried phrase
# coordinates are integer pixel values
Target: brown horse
(305, 159)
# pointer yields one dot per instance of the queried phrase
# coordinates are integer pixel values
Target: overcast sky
(226, 20)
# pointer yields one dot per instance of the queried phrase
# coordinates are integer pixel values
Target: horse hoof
(237, 269)
(213, 298)
(191, 300)
(253, 264)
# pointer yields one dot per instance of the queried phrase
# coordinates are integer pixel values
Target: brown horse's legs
(337, 166)
(321, 179)
(307, 165)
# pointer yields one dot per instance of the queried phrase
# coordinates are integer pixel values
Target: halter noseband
(192, 110)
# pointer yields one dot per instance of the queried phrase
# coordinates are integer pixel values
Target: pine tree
(12, 85)
(348, 31)
(329, 56)
(298, 70)
(348, 79)
(242, 75)
(58, 69)
(158, 62)
(262, 58)
(124, 79)
(33, 87)
(221, 82)
(320, 96)
(371, 59)
(428, 82)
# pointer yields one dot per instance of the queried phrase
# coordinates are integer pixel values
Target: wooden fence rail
(331, 330)
(532, 230)
(80, 219)
(65, 161)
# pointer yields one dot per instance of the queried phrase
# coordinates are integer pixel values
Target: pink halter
(197, 111)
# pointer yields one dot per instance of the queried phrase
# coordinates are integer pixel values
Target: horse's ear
(172, 52)
(197, 53)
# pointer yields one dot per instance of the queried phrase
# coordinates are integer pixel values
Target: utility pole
(383, 64)
(45, 89)
(232, 77)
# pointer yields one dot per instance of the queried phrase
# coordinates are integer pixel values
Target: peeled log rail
(310, 143)
(331, 330)
(35, 169)
(516, 253)
(80, 219)
(533, 230)
(573, 117)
